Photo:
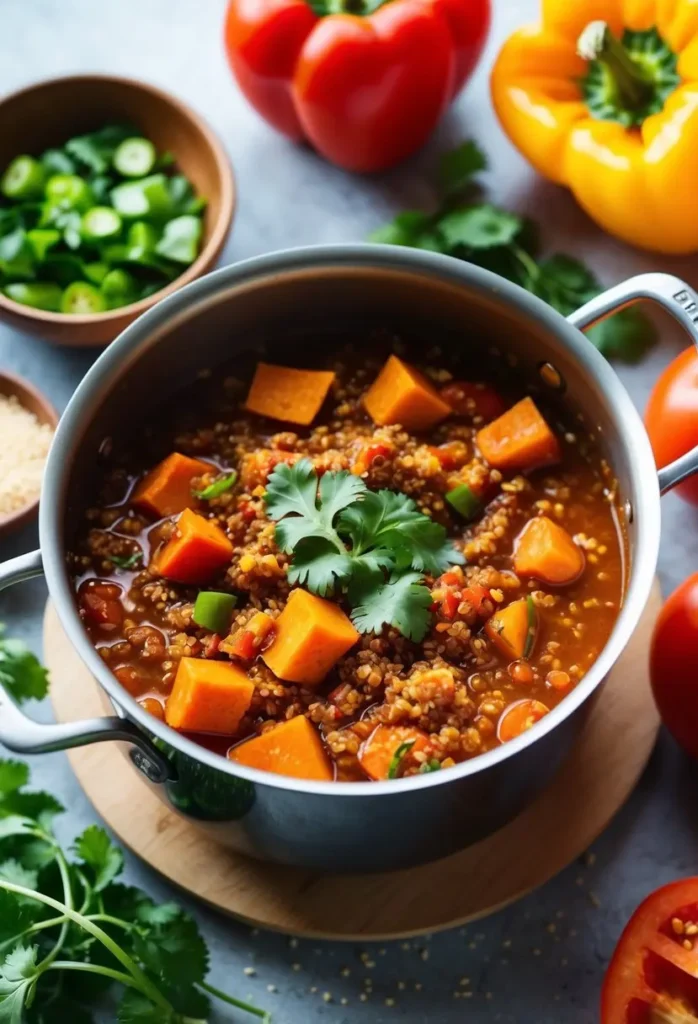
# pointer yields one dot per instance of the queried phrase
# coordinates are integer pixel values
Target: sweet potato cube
(513, 629)
(288, 394)
(546, 551)
(380, 751)
(198, 550)
(311, 635)
(519, 439)
(401, 394)
(293, 748)
(208, 696)
(167, 489)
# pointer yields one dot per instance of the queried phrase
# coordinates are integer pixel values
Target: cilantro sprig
(70, 931)
(470, 229)
(371, 546)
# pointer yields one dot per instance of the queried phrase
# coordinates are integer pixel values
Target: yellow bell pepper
(602, 96)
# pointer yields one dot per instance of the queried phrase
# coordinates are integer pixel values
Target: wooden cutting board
(597, 777)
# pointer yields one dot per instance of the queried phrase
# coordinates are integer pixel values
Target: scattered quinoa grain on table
(196, 572)
(26, 444)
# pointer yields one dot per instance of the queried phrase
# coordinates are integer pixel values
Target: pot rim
(335, 257)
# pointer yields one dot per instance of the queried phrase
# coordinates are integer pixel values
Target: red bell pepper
(365, 86)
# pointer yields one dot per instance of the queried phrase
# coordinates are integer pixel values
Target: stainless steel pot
(344, 826)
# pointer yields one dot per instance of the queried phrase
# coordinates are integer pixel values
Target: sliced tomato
(653, 974)
(469, 399)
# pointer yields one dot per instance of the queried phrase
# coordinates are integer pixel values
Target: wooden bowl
(33, 400)
(49, 113)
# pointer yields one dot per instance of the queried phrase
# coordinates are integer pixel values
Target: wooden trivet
(597, 777)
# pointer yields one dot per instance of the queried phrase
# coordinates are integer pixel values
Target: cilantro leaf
(13, 775)
(388, 520)
(403, 602)
(97, 852)
(12, 871)
(626, 335)
(21, 673)
(174, 952)
(16, 914)
(318, 565)
(458, 167)
(132, 905)
(16, 976)
(127, 561)
(16, 825)
(40, 807)
(134, 1008)
(292, 497)
(407, 228)
(479, 227)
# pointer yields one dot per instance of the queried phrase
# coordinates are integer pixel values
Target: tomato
(671, 416)
(468, 399)
(653, 974)
(673, 665)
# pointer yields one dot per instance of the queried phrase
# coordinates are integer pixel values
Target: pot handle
(23, 735)
(678, 299)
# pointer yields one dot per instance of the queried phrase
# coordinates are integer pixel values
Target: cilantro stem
(108, 972)
(224, 997)
(67, 897)
(143, 983)
(527, 262)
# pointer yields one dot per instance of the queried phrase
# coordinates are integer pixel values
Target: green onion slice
(532, 627)
(217, 488)
(397, 758)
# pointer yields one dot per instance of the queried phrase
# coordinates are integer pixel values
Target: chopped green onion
(37, 294)
(23, 179)
(214, 610)
(134, 157)
(217, 488)
(462, 499)
(397, 758)
(126, 561)
(429, 766)
(532, 627)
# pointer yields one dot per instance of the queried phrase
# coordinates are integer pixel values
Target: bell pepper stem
(633, 86)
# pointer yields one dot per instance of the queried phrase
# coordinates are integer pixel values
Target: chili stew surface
(376, 568)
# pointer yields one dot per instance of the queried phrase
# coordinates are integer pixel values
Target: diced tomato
(469, 399)
(368, 455)
(100, 603)
(451, 456)
(247, 511)
(258, 633)
(653, 974)
(450, 579)
(449, 605)
(476, 595)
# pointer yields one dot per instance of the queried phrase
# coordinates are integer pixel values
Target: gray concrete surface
(541, 961)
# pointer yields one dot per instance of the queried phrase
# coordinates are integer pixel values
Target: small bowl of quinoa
(27, 424)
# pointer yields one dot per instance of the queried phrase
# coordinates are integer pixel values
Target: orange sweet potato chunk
(311, 635)
(197, 551)
(377, 752)
(293, 748)
(401, 394)
(519, 439)
(167, 489)
(288, 394)
(546, 551)
(208, 696)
